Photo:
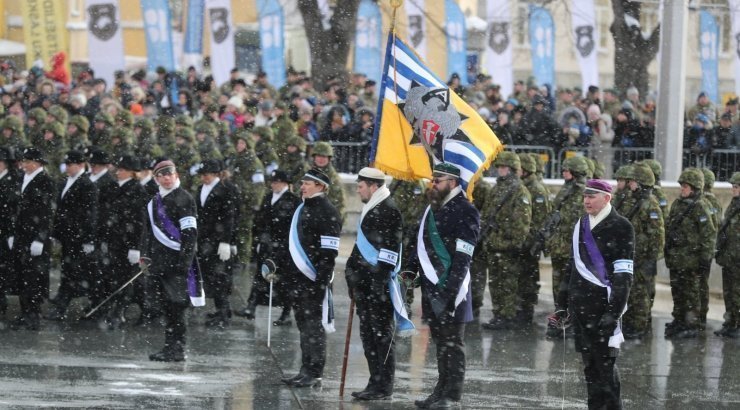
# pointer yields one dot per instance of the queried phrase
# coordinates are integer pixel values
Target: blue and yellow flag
(421, 122)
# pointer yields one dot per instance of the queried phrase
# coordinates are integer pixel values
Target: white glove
(88, 248)
(234, 251)
(10, 242)
(37, 248)
(224, 251)
(133, 256)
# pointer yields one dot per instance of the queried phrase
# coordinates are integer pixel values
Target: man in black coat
(32, 240)
(449, 233)
(369, 268)
(314, 244)
(271, 231)
(597, 291)
(10, 195)
(127, 219)
(74, 228)
(216, 209)
(170, 241)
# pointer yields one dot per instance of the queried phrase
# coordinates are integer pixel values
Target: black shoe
(56, 314)
(445, 403)
(524, 316)
(307, 381)
(167, 355)
(247, 312)
(424, 404)
(686, 334)
(499, 324)
(212, 314)
(29, 321)
(290, 380)
(221, 321)
(372, 395)
(284, 319)
(732, 333)
(632, 334)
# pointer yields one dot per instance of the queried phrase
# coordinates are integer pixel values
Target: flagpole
(395, 4)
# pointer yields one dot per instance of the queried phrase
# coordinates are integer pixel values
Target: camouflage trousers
(731, 295)
(703, 295)
(478, 280)
(244, 236)
(639, 303)
(529, 286)
(685, 292)
(503, 283)
(558, 267)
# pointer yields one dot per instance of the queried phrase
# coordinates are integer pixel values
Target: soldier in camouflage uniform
(124, 119)
(248, 174)
(206, 144)
(505, 220)
(294, 161)
(657, 189)
(647, 220)
(53, 148)
(728, 256)
(211, 116)
(164, 129)
(283, 129)
(541, 207)
(13, 137)
(36, 119)
(689, 248)
(599, 170)
(183, 121)
(715, 209)
(322, 154)
(479, 264)
(591, 167)
(263, 148)
(540, 166)
(59, 114)
(185, 157)
(568, 208)
(145, 145)
(622, 198)
(100, 133)
(120, 142)
(77, 133)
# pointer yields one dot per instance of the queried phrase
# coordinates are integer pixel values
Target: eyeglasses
(436, 181)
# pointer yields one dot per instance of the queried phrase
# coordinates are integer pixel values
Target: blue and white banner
(193, 43)
(586, 41)
(457, 41)
(104, 38)
(368, 52)
(223, 57)
(158, 29)
(417, 26)
(498, 57)
(272, 40)
(542, 38)
(709, 46)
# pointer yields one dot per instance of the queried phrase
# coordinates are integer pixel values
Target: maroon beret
(598, 186)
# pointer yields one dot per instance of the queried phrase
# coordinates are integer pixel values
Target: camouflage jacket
(409, 197)
(336, 191)
(714, 207)
(266, 154)
(541, 205)
(728, 237)
(248, 174)
(17, 142)
(569, 204)
(295, 165)
(662, 199)
(690, 234)
(647, 219)
(506, 216)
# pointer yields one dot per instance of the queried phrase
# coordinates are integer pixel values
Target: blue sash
(404, 325)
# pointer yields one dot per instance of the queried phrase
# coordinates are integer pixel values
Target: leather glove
(607, 324)
(88, 248)
(10, 242)
(133, 256)
(37, 248)
(705, 265)
(224, 251)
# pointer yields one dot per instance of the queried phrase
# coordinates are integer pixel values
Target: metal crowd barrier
(547, 154)
(349, 157)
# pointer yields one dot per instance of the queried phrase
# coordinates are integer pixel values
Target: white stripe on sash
(161, 237)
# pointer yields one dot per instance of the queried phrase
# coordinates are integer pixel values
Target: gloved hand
(88, 248)
(234, 251)
(11, 240)
(410, 279)
(705, 265)
(607, 324)
(37, 248)
(439, 306)
(268, 270)
(224, 251)
(133, 256)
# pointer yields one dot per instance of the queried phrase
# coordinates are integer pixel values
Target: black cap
(98, 157)
(279, 175)
(34, 154)
(316, 175)
(129, 162)
(210, 166)
(7, 154)
(74, 157)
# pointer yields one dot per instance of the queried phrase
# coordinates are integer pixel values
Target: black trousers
(602, 379)
(217, 280)
(80, 276)
(375, 311)
(120, 270)
(306, 303)
(449, 339)
(175, 326)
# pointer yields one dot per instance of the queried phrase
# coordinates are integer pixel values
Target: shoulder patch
(539, 199)
(258, 178)
(525, 200)
(703, 218)
(464, 247)
(653, 215)
(663, 202)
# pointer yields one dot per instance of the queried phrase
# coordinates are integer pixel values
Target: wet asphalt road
(74, 364)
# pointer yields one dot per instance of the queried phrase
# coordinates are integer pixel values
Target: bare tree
(329, 47)
(633, 52)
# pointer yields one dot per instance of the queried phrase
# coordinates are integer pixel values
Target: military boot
(171, 353)
(247, 312)
(221, 320)
(500, 323)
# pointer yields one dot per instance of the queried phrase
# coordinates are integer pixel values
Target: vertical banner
(193, 42)
(735, 16)
(417, 26)
(158, 29)
(223, 57)
(44, 31)
(272, 40)
(498, 57)
(586, 40)
(368, 55)
(104, 38)
(457, 41)
(709, 46)
(542, 39)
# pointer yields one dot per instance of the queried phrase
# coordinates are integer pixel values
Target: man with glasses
(447, 236)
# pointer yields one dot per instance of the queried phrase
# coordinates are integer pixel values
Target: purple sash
(594, 254)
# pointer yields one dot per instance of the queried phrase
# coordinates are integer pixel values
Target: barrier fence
(351, 157)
